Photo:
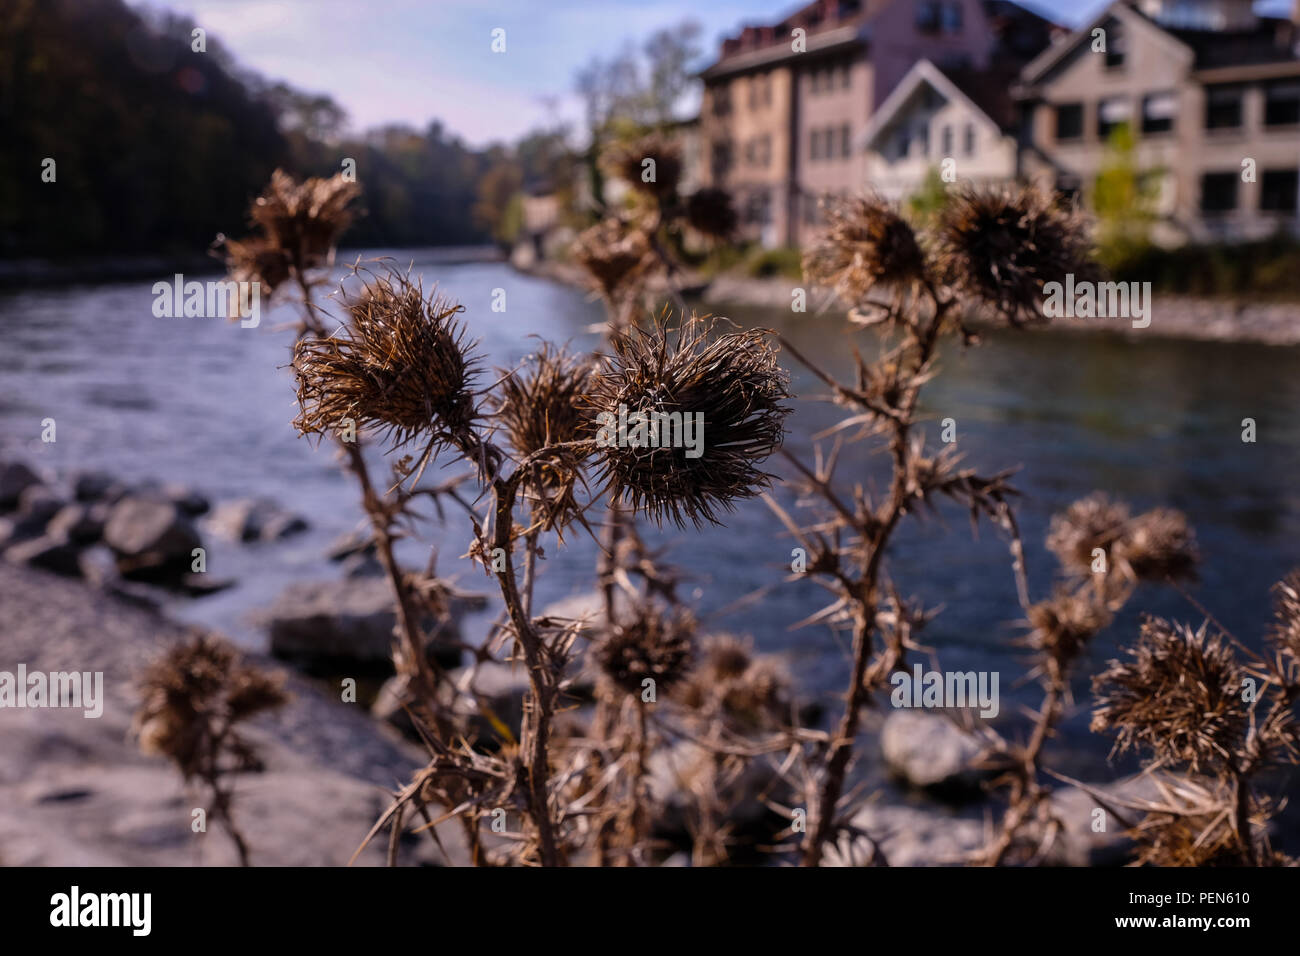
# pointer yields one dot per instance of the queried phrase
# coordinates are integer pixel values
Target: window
(927, 16)
(1222, 107)
(721, 101)
(1158, 111)
(1111, 113)
(1116, 47)
(969, 144)
(844, 77)
(721, 160)
(1278, 190)
(1069, 121)
(815, 145)
(923, 136)
(846, 148)
(951, 17)
(758, 210)
(1282, 104)
(946, 140)
(1219, 191)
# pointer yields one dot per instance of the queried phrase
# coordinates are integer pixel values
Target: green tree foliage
(159, 147)
(1124, 199)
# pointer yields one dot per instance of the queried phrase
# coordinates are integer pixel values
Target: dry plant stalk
(193, 698)
(992, 249)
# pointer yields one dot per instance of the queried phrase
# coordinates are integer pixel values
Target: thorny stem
(865, 597)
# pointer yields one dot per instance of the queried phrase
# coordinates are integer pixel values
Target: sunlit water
(1151, 421)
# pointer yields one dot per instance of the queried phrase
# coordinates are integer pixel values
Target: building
(1211, 94)
(958, 124)
(785, 105)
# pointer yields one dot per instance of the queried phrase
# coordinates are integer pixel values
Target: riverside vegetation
(570, 780)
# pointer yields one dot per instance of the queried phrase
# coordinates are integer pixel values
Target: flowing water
(1152, 421)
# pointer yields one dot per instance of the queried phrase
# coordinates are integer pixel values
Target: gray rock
(344, 626)
(362, 564)
(15, 478)
(741, 788)
(908, 836)
(929, 751)
(151, 538)
(80, 523)
(91, 486)
(51, 552)
(39, 503)
(354, 542)
(254, 519)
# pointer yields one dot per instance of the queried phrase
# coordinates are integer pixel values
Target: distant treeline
(157, 147)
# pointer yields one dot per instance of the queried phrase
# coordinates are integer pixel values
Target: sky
(411, 61)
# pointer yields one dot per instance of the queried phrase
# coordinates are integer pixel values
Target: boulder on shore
(15, 478)
(254, 519)
(347, 626)
(930, 752)
(151, 538)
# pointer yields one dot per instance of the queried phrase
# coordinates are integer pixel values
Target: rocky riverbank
(1216, 320)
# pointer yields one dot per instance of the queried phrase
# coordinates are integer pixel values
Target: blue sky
(415, 60)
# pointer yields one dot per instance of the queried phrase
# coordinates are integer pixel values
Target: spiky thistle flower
(653, 643)
(1179, 694)
(1154, 546)
(686, 418)
(999, 245)
(256, 260)
(1063, 624)
(651, 164)
(729, 679)
(866, 244)
(616, 256)
(401, 365)
(543, 405)
(193, 696)
(305, 219)
(711, 211)
(1285, 634)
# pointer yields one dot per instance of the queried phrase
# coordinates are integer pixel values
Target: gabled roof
(1119, 10)
(995, 112)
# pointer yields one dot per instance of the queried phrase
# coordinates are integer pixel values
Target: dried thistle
(999, 245)
(1157, 545)
(710, 211)
(402, 366)
(1179, 694)
(651, 164)
(731, 681)
(1063, 625)
(192, 698)
(616, 256)
(866, 244)
(257, 260)
(731, 383)
(1285, 634)
(654, 643)
(305, 219)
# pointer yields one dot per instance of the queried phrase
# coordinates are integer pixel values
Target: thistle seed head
(654, 643)
(1179, 694)
(401, 366)
(727, 392)
(710, 211)
(999, 245)
(866, 244)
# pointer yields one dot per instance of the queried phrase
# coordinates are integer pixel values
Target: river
(1152, 421)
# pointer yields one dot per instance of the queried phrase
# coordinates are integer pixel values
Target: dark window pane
(1219, 192)
(1222, 107)
(1277, 190)
(1158, 112)
(1069, 121)
(1282, 104)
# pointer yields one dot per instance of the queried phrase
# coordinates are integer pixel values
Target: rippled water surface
(1152, 421)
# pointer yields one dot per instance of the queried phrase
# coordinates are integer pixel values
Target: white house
(960, 123)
